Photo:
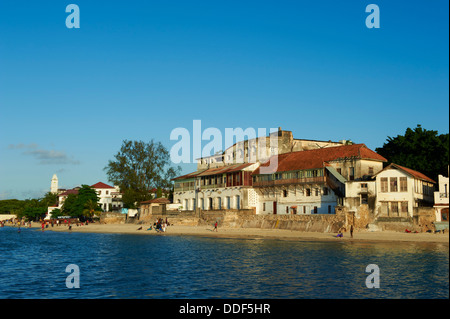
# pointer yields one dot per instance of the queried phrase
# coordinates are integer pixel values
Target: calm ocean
(33, 265)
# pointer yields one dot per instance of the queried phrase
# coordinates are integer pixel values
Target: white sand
(207, 230)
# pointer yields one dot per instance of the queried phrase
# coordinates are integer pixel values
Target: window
(351, 173)
(364, 199)
(219, 202)
(285, 193)
(384, 185)
(370, 170)
(211, 206)
(308, 192)
(329, 209)
(264, 207)
(403, 184)
(304, 209)
(287, 210)
(315, 209)
(325, 191)
(394, 208)
(404, 208)
(316, 190)
(228, 202)
(393, 184)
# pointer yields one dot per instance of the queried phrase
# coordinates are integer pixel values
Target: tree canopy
(139, 167)
(83, 204)
(419, 149)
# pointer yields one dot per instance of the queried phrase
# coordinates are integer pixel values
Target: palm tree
(91, 207)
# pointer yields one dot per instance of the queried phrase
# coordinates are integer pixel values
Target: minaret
(54, 185)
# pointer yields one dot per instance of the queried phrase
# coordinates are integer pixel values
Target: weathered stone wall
(328, 223)
(112, 218)
(185, 218)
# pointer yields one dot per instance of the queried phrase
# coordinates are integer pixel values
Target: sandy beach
(207, 231)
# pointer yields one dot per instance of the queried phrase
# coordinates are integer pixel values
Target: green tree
(70, 206)
(422, 150)
(75, 205)
(91, 208)
(33, 209)
(56, 213)
(139, 167)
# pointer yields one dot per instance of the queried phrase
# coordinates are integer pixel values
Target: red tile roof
(411, 172)
(317, 158)
(101, 185)
(215, 171)
(68, 192)
(160, 200)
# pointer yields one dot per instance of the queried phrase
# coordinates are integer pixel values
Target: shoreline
(254, 233)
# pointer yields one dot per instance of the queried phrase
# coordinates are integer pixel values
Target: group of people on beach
(160, 225)
(16, 223)
(58, 222)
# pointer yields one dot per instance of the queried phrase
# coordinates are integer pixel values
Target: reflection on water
(33, 263)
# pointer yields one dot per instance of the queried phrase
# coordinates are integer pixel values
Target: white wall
(296, 196)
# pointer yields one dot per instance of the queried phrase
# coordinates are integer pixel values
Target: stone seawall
(325, 223)
(247, 219)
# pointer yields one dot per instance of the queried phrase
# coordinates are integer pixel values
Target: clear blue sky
(138, 69)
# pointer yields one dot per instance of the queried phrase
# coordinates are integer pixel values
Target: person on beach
(351, 231)
(215, 226)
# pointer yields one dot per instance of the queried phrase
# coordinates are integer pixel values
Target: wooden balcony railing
(304, 180)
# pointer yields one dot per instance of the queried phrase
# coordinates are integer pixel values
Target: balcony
(291, 181)
(441, 198)
(183, 188)
(211, 186)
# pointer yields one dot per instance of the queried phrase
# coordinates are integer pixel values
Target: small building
(441, 201)
(153, 206)
(400, 190)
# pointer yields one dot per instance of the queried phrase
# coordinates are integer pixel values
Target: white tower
(54, 185)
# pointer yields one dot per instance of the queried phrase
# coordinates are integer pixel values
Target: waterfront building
(227, 187)
(441, 201)
(260, 149)
(223, 181)
(110, 198)
(315, 181)
(401, 190)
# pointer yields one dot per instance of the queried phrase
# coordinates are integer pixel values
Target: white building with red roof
(110, 198)
(400, 190)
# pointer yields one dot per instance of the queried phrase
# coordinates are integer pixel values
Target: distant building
(110, 198)
(54, 185)
(441, 200)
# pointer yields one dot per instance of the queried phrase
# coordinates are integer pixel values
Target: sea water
(33, 264)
